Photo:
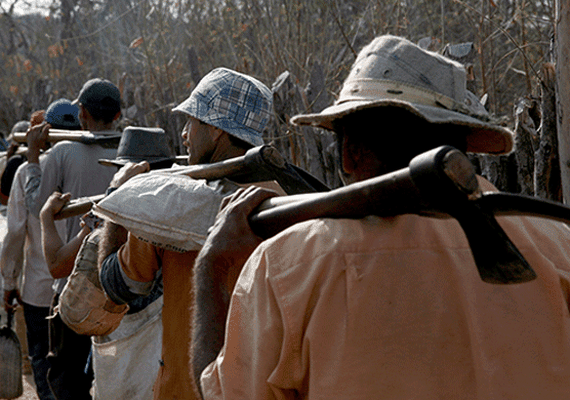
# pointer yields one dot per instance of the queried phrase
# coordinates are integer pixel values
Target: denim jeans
(37, 336)
(68, 356)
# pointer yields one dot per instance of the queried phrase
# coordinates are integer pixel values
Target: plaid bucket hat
(393, 72)
(236, 103)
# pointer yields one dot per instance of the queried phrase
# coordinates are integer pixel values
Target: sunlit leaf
(136, 43)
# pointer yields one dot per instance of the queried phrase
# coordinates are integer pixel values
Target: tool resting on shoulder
(439, 183)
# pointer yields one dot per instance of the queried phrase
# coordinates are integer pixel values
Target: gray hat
(20, 126)
(236, 103)
(100, 94)
(61, 114)
(391, 71)
(141, 144)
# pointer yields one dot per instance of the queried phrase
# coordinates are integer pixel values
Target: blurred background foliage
(157, 50)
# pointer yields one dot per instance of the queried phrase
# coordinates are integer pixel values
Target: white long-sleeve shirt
(22, 249)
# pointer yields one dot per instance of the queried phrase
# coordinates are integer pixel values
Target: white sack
(170, 211)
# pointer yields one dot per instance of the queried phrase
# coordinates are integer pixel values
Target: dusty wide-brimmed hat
(393, 72)
(141, 144)
(236, 103)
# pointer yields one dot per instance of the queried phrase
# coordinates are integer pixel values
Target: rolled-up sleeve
(131, 272)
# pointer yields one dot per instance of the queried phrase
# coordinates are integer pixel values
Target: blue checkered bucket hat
(234, 102)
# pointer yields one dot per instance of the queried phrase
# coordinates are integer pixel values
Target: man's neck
(97, 126)
(226, 153)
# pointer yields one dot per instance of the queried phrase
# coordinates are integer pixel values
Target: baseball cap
(100, 94)
(61, 114)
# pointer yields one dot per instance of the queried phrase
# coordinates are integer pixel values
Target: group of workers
(350, 308)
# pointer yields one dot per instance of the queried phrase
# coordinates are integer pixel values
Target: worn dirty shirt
(70, 167)
(394, 308)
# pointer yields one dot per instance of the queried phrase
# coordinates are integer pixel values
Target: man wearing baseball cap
(383, 308)
(22, 258)
(227, 114)
(73, 167)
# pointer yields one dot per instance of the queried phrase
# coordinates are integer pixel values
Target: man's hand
(9, 297)
(231, 240)
(127, 172)
(37, 139)
(54, 204)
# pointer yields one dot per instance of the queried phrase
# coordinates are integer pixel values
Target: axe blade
(447, 179)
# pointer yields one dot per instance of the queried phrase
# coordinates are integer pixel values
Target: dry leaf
(136, 43)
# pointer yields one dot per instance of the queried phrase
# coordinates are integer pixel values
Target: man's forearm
(212, 298)
(112, 238)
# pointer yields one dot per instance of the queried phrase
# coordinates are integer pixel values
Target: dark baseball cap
(61, 114)
(100, 94)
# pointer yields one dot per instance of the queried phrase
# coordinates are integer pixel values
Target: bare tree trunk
(525, 139)
(563, 92)
(547, 166)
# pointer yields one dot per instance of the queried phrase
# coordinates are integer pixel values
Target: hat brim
(121, 162)
(484, 137)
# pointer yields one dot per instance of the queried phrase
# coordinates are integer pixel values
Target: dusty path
(29, 389)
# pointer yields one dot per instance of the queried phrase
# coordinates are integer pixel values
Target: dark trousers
(68, 377)
(38, 344)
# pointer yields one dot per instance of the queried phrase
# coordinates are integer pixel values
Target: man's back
(73, 167)
(394, 308)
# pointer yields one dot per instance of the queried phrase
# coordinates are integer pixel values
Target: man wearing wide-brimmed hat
(383, 308)
(227, 113)
(126, 338)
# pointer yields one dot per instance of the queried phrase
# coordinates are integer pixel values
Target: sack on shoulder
(83, 305)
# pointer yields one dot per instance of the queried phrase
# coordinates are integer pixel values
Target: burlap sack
(173, 212)
(83, 305)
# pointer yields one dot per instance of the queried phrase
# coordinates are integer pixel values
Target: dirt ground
(29, 389)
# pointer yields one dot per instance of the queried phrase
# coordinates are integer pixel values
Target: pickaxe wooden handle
(440, 183)
(263, 163)
(85, 137)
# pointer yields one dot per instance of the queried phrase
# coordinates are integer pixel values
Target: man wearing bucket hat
(227, 114)
(73, 167)
(22, 257)
(383, 308)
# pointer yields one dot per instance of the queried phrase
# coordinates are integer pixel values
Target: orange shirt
(141, 261)
(394, 308)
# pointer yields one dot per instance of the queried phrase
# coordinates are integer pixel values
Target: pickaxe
(263, 163)
(440, 183)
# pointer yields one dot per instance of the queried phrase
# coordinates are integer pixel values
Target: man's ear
(350, 155)
(117, 116)
(217, 133)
